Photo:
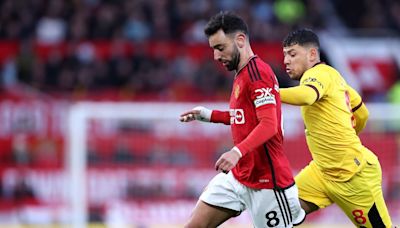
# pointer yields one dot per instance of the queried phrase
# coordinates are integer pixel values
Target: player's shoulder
(260, 63)
(258, 70)
(320, 68)
(319, 71)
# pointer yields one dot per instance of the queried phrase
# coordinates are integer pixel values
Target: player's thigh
(218, 202)
(223, 191)
(275, 208)
(206, 215)
(361, 198)
(311, 186)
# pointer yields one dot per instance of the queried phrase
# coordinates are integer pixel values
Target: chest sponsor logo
(313, 80)
(263, 97)
(237, 116)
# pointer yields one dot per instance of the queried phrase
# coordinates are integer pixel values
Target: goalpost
(80, 114)
(76, 148)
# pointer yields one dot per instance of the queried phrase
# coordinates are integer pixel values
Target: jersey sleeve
(319, 81)
(220, 117)
(298, 95)
(263, 93)
(355, 98)
(359, 110)
(266, 128)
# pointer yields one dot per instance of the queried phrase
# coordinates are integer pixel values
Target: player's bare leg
(205, 215)
(308, 207)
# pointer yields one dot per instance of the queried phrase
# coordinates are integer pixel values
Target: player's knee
(193, 224)
(196, 222)
(308, 207)
(188, 225)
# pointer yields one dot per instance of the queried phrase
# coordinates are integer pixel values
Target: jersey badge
(237, 91)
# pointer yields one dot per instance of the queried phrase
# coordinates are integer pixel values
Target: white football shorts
(268, 207)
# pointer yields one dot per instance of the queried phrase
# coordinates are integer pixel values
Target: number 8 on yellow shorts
(360, 197)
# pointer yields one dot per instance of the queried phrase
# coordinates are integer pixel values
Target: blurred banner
(141, 169)
(370, 65)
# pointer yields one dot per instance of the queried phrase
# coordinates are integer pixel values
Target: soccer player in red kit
(255, 173)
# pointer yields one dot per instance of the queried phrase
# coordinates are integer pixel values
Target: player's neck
(245, 57)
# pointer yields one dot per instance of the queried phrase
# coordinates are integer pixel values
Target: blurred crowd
(55, 22)
(73, 33)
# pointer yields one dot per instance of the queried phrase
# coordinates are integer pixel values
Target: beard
(233, 64)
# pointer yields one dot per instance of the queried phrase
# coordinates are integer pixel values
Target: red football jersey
(255, 87)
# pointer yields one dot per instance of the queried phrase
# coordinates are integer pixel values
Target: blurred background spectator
(76, 47)
(56, 52)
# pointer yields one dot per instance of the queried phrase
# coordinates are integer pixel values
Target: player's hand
(189, 115)
(227, 161)
(198, 113)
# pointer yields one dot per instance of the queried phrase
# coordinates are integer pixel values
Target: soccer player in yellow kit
(342, 171)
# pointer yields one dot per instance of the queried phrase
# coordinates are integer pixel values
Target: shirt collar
(318, 63)
(251, 57)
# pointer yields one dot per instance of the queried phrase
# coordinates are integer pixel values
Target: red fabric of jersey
(264, 130)
(255, 120)
(220, 117)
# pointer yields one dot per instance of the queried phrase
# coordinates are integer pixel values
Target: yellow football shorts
(360, 197)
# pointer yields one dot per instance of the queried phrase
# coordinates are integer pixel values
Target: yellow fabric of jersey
(331, 138)
(360, 112)
(298, 95)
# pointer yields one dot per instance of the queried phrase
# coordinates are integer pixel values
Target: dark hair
(301, 37)
(228, 22)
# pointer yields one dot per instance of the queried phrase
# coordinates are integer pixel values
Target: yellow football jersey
(331, 138)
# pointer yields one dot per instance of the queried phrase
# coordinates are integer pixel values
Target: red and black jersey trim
(254, 73)
(250, 73)
(280, 194)
(316, 90)
(357, 107)
(271, 166)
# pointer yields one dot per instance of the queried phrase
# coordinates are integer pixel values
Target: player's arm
(220, 117)
(361, 115)
(266, 128)
(264, 99)
(359, 109)
(206, 115)
(299, 95)
(313, 86)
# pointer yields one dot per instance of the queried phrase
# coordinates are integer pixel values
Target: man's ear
(314, 54)
(240, 39)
